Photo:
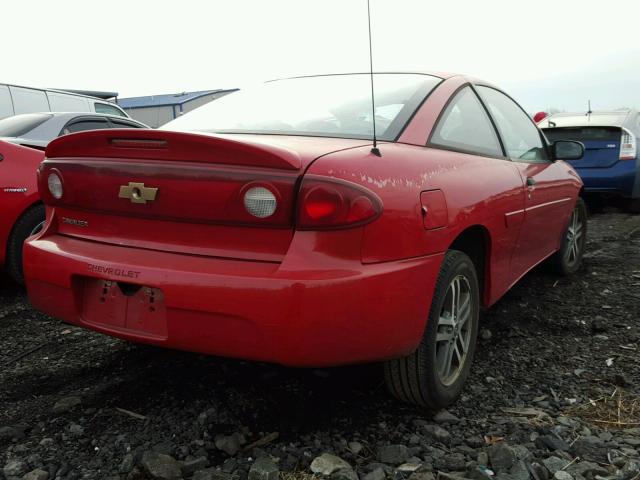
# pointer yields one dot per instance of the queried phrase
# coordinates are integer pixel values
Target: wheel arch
(31, 205)
(475, 241)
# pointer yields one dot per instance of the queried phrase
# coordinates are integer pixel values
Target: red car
(264, 226)
(23, 139)
(22, 211)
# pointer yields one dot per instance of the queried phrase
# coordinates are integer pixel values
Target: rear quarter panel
(18, 186)
(478, 191)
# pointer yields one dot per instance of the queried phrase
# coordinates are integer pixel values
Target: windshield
(19, 125)
(326, 106)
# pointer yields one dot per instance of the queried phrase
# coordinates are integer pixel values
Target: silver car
(38, 129)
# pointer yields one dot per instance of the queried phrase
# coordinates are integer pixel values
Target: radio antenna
(375, 150)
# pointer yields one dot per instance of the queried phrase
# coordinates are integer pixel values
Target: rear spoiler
(139, 144)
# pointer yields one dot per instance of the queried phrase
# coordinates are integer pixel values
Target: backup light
(260, 202)
(55, 186)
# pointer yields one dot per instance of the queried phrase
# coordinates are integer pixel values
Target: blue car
(611, 163)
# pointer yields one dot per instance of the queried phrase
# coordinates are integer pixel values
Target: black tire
(633, 205)
(24, 227)
(416, 378)
(563, 261)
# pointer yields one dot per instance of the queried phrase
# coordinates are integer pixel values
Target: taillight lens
(260, 202)
(55, 186)
(332, 204)
(627, 145)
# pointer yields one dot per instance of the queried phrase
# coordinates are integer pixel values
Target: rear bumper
(623, 178)
(299, 316)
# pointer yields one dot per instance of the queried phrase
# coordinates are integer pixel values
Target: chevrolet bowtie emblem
(138, 193)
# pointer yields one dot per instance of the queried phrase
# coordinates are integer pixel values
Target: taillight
(627, 145)
(326, 203)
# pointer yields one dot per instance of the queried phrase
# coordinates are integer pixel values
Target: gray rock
(127, 464)
(538, 471)
(36, 474)
(444, 417)
(377, 474)
(327, 463)
(230, 444)
(633, 441)
(47, 442)
(422, 476)
(194, 464)
(452, 462)
(519, 471)
(76, 430)
(583, 469)
(630, 470)
(502, 457)
(437, 433)
(344, 474)
(355, 447)
(212, 474)
(552, 443)
(66, 404)
(590, 448)
(160, 466)
(14, 468)
(554, 464)
(562, 475)
(12, 433)
(393, 454)
(485, 334)
(479, 472)
(264, 469)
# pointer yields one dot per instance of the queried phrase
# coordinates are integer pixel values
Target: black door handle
(531, 181)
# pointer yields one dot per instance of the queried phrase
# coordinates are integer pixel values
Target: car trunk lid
(179, 192)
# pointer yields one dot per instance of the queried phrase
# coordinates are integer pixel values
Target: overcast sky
(546, 53)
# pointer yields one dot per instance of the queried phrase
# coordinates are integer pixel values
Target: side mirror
(567, 150)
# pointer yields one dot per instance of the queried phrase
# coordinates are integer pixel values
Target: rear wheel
(633, 205)
(568, 259)
(30, 223)
(433, 375)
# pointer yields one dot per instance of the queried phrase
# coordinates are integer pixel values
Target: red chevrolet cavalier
(264, 226)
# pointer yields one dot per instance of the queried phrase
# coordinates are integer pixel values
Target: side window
(109, 109)
(83, 125)
(6, 105)
(521, 138)
(117, 124)
(466, 126)
(27, 100)
(61, 102)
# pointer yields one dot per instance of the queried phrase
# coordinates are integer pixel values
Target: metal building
(156, 110)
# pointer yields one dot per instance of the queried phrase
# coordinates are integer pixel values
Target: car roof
(615, 118)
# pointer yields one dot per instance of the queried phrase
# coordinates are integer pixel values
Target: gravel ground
(557, 363)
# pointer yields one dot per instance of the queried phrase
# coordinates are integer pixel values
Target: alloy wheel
(574, 238)
(454, 330)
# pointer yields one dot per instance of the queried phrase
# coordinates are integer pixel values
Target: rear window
(584, 134)
(324, 106)
(21, 124)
